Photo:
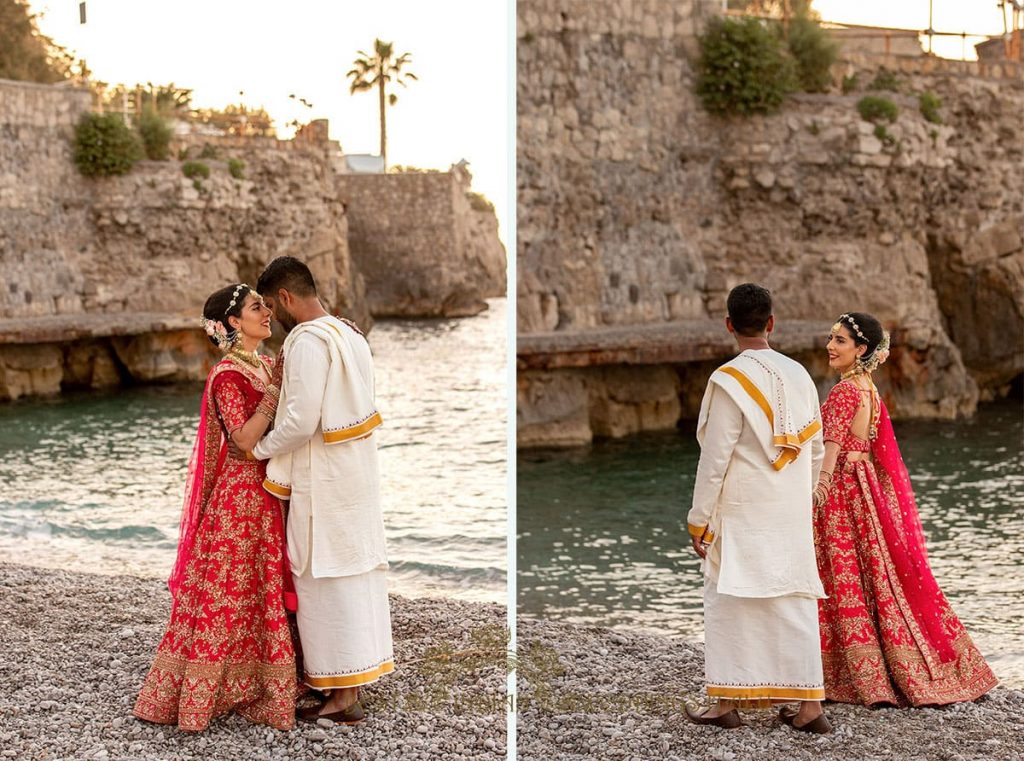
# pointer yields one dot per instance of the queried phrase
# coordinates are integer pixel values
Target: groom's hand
(698, 546)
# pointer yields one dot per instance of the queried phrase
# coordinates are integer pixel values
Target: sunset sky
(972, 16)
(458, 108)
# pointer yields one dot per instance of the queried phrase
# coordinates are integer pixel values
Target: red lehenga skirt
(874, 648)
(228, 645)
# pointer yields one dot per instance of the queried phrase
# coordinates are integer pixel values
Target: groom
(751, 524)
(322, 457)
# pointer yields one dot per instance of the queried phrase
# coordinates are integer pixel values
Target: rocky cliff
(639, 209)
(102, 280)
(425, 246)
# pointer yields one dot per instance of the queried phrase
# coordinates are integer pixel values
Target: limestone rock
(551, 409)
(182, 355)
(30, 370)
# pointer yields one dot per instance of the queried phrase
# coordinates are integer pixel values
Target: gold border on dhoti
(350, 680)
(790, 442)
(766, 693)
(354, 432)
(278, 490)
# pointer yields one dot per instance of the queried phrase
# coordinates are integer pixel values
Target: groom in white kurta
(323, 459)
(761, 449)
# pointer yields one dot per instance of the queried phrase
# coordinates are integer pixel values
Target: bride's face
(254, 321)
(842, 351)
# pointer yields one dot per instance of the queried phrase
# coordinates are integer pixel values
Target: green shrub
(814, 128)
(478, 202)
(183, 154)
(873, 109)
(883, 134)
(814, 53)
(930, 105)
(105, 145)
(885, 80)
(195, 170)
(198, 185)
(156, 135)
(742, 68)
(850, 84)
(236, 167)
(208, 152)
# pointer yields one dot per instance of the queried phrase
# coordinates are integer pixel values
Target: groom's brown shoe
(351, 715)
(818, 726)
(730, 720)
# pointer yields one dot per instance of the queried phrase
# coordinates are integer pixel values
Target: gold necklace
(250, 358)
(852, 372)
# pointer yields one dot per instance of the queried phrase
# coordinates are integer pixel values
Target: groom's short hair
(749, 307)
(289, 273)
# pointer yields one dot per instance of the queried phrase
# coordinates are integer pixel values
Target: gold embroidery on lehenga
(228, 644)
(873, 649)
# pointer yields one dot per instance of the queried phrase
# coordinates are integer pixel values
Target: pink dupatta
(904, 538)
(208, 454)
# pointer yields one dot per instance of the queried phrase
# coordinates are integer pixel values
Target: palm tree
(376, 71)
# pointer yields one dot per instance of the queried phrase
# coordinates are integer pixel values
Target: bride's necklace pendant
(250, 358)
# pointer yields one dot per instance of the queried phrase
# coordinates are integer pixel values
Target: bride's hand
(278, 375)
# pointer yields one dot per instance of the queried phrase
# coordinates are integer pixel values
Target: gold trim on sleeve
(353, 432)
(278, 490)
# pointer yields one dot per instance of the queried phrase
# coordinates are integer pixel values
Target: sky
(457, 110)
(972, 16)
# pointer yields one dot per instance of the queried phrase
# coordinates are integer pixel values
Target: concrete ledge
(666, 343)
(73, 327)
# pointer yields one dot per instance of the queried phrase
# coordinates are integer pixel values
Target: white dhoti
(323, 459)
(752, 511)
(758, 649)
(345, 629)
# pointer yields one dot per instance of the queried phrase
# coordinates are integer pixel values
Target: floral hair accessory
(215, 329)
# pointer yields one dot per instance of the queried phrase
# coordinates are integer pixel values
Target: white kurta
(753, 500)
(335, 529)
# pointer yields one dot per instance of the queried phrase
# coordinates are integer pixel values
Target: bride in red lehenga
(228, 645)
(888, 635)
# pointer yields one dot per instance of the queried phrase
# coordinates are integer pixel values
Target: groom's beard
(287, 321)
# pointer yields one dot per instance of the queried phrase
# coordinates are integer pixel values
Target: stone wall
(636, 207)
(150, 241)
(423, 247)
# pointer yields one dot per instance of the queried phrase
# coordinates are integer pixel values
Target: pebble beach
(76, 648)
(592, 693)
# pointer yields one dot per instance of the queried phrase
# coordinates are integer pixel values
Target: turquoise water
(94, 482)
(603, 539)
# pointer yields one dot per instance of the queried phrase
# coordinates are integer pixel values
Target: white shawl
(757, 381)
(348, 412)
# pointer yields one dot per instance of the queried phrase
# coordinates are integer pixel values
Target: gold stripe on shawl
(789, 442)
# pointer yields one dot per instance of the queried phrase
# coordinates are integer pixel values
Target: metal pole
(930, 26)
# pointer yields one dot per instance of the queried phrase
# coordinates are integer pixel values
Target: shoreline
(78, 646)
(584, 691)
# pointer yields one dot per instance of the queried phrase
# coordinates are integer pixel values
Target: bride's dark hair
(868, 325)
(218, 307)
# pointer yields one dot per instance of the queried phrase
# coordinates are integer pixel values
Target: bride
(888, 635)
(228, 645)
